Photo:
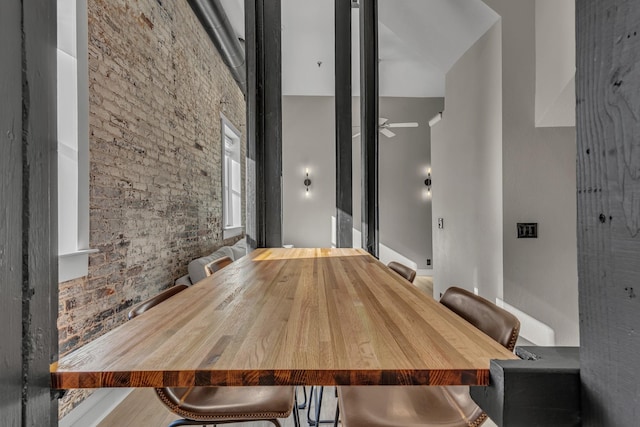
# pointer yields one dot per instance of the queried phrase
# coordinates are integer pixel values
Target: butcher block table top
(289, 317)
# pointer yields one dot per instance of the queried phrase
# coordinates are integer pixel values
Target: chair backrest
(152, 302)
(217, 265)
(494, 321)
(406, 272)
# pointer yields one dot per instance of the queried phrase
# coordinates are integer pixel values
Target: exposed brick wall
(157, 88)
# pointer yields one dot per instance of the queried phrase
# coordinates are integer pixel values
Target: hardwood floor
(424, 283)
(142, 408)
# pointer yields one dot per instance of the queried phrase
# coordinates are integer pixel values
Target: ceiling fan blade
(382, 121)
(403, 125)
(387, 133)
(356, 135)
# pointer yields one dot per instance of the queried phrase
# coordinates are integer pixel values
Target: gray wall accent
(540, 275)
(608, 90)
(40, 219)
(28, 220)
(309, 141)
(11, 212)
(466, 152)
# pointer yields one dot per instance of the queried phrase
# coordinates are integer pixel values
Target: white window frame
(73, 139)
(231, 140)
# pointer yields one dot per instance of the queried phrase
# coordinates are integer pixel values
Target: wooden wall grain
(608, 177)
(28, 224)
(10, 211)
(39, 211)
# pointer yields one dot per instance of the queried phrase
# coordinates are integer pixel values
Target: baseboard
(425, 272)
(531, 329)
(94, 408)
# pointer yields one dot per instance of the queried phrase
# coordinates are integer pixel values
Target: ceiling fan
(384, 125)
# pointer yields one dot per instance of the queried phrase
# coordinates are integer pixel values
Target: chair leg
(296, 414)
(337, 418)
(312, 422)
(303, 405)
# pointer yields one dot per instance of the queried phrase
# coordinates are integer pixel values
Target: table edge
(267, 377)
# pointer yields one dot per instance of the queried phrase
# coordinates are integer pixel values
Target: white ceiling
(419, 41)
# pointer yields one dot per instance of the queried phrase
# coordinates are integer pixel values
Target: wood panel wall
(28, 221)
(10, 212)
(608, 169)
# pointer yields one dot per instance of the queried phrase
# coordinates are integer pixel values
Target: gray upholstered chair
(406, 272)
(221, 405)
(430, 406)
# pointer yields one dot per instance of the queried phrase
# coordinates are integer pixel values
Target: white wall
(405, 209)
(492, 170)
(308, 141)
(466, 152)
(539, 185)
(555, 63)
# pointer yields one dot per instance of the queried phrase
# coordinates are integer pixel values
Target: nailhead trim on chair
(476, 422)
(512, 344)
(514, 338)
(479, 421)
(192, 416)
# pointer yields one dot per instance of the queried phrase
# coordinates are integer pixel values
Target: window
(231, 179)
(73, 140)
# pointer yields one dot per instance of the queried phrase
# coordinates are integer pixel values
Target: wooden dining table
(289, 317)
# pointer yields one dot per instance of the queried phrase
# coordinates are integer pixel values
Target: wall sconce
(427, 181)
(307, 182)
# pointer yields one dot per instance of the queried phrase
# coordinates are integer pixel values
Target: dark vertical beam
(40, 220)
(264, 123)
(28, 220)
(344, 142)
(369, 123)
(251, 28)
(608, 133)
(251, 218)
(11, 211)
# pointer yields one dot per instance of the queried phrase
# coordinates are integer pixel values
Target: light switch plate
(527, 230)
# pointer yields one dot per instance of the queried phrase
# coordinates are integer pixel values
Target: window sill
(227, 233)
(74, 264)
